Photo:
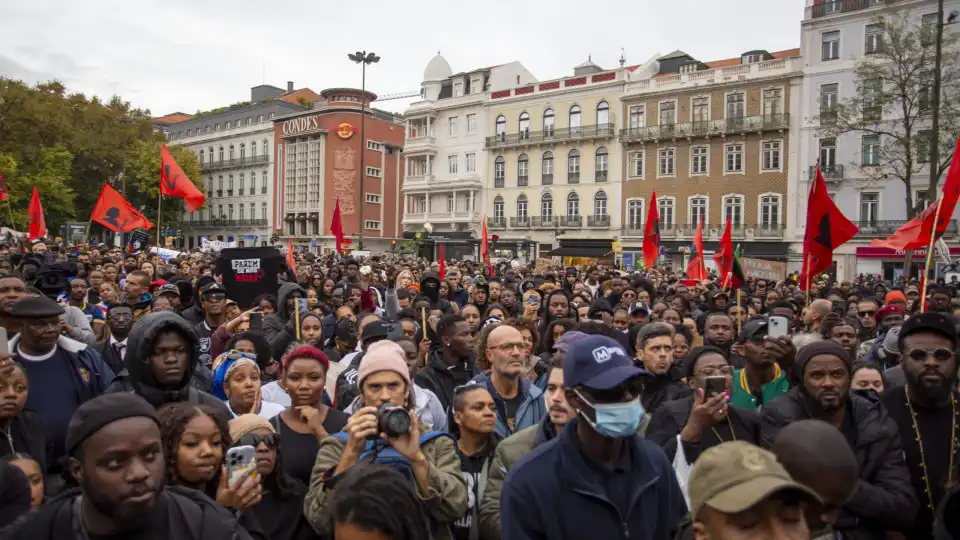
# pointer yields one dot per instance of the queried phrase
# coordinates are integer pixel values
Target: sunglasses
(866, 313)
(617, 393)
(940, 355)
(215, 297)
(254, 440)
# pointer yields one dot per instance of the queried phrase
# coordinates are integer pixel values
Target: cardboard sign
(763, 269)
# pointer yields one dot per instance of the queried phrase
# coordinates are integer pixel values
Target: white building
(446, 160)
(836, 35)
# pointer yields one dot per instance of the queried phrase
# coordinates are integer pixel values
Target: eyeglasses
(711, 372)
(509, 347)
(215, 297)
(617, 393)
(940, 355)
(254, 440)
(866, 313)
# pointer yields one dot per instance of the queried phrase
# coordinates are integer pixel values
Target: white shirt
(119, 346)
(267, 410)
(273, 392)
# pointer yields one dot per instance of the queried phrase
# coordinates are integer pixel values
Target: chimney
(289, 86)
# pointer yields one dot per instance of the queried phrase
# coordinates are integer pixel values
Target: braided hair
(376, 497)
(173, 419)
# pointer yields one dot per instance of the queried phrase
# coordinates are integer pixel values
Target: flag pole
(296, 311)
(159, 204)
(926, 267)
(739, 318)
(13, 223)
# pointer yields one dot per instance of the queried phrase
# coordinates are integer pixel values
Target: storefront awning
(574, 251)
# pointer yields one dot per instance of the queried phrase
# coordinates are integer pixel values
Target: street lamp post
(363, 58)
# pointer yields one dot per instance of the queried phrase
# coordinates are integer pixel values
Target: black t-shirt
(512, 405)
(470, 466)
(204, 343)
(156, 527)
(298, 451)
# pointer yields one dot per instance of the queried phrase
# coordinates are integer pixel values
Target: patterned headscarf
(223, 367)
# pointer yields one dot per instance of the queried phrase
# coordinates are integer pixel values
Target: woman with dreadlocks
(375, 501)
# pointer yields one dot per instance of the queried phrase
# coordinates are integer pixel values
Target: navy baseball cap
(598, 362)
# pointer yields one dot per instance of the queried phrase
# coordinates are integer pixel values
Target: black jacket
(25, 433)
(672, 416)
(190, 515)
(346, 389)
(441, 379)
(109, 355)
(885, 499)
(659, 389)
(138, 377)
(274, 323)
(947, 524)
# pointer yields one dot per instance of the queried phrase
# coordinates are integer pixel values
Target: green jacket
(445, 498)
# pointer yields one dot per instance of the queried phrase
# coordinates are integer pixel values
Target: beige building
(713, 140)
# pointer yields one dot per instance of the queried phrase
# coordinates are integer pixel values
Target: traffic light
(393, 246)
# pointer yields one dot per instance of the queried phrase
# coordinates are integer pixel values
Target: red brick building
(318, 161)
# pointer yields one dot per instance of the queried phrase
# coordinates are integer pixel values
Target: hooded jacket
(194, 314)
(441, 379)
(24, 434)
(885, 499)
(273, 324)
(433, 293)
(530, 412)
(189, 514)
(947, 524)
(138, 377)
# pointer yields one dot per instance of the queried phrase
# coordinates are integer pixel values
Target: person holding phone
(762, 378)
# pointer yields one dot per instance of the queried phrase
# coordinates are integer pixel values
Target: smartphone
(4, 349)
(778, 327)
(533, 300)
(256, 321)
(240, 461)
(715, 384)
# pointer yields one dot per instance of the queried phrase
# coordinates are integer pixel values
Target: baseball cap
(752, 328)
(735, 476)
(377, 330)
(598, 362)
(930, 321)
(168, 288)
(891, 340)
(213, 286)
(567, 340)
(638, 307)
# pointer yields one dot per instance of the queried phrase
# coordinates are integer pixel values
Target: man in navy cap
(599, 479)
(213, 298)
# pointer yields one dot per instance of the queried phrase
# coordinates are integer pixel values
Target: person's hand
(706, 412)
(360, 426)
(65, 327)
(6, 367)
(407, 444)
(424, 349)
(314, 420)
(781, 348)
(242, 318)
(244, 495)
(392, 273)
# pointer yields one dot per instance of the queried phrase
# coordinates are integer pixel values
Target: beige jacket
(445, 498)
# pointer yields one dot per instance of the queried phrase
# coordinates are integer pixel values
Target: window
(230, 183)
(668, 113)
(200, 157)
(874, 39)
(689, 67)
(452, 126)
(698, 210)
(573, 167)
(698, 160)
(523, 170)
(470, 162)
(636, 164)
(769, 211)
(830, 48)
(370, 224)
(600, 204)
(375, 146)
(665, 210)
(266, 149)
(829, 97)
(548, 123)
(499, 171)
(501, 127)
(771, 155)
(498, 209)
(231, 152)
(668, 162)
(243, 151)
(870, 150)
(221, 153)
(603, 113)
(230, 212)
(241, 213)
(869, 207)
(923, 146)
(373, 198)
(220, 211)
(457, 89)
(601, 165)
(928, 29)
(772, 102)
(451, 202)
(216, 127)
(751, 58)
(220, 182)
(253, 149)
(546, 169)
(734, 158)
(700, 111)
(575, 120)
(872, 95)
(374, 171)
(546, 206)
(206, 129)
(636, 117)
(523, 125)
(259, 118)
(242, 183)
(828, 153)
(735, 109)
(573, 205)
(634, 213)
(253, 211)
(925, 95)
(522, 214)
(471, 123)
(452, 164)
(733, 210)
(263, 183)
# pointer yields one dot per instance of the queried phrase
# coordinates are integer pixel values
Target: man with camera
(383, 430)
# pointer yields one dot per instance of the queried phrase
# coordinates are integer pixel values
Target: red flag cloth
(3, 189)
(827, 229)
(38, 227)
(290, 262)
(697, 268)
(336, 228)
(651, 235)
(485, 245)
(443, 264)
(174, 182)
(116, 213)
(915, 234)
(724, 257)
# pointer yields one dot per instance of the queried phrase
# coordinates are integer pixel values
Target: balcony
(573, 177)
(498, 182)
(421, 144)
(885, 228)
(436, 216)
(224, 222)
(712, 233)
(600, 176)
(598, 221)
(417, 181)
(547, 179)
(831, 173)
(544, 222)
(523, 181)
(236, 162)
(831, 7)
(726, 126)
(571, 222)
(520, 222)
(497, 223)
(527, 138)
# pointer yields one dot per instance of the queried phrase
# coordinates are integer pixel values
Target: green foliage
(49, 175)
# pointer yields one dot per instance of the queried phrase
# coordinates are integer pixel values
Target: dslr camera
(392, 420)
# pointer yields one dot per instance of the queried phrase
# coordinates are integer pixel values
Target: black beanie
(101, 411)
(821, 347)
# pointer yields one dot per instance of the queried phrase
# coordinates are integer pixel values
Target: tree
(49, 174)
(142, 176)
(892, 105)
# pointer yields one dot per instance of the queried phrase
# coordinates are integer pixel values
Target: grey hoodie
(274, 323)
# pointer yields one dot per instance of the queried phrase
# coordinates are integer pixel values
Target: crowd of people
(392, 399)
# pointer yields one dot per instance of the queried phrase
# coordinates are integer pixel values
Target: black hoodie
(441, 379)
(273, 324)
(138, 377)
(433, 293)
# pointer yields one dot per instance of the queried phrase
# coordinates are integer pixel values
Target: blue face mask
(614, 420)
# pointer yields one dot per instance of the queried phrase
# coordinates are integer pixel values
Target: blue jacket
(553, 493)
(532, 409)
(460, 296)
(92, 375)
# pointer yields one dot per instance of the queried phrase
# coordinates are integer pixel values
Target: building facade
(713, 141)
(234, 146)
(446, 163)
(836, 36)
(318, 162)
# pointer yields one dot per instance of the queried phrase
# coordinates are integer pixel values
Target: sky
(190, 55)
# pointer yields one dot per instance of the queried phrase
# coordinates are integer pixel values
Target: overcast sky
(185, 55)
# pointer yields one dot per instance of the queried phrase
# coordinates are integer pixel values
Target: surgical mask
(614, 420)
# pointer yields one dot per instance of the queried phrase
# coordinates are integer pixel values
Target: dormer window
(457, 89)
(751, 58)
(688, 68)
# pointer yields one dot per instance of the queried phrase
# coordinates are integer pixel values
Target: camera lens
(392, 420)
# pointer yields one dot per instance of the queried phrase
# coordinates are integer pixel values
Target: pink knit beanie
(383, 356)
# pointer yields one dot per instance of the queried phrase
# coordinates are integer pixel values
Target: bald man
(817, 310)
(520, 403)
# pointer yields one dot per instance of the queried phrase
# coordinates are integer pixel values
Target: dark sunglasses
(866, 313)
(254, 440)
(940, 355)
(617, 393)
(215, 297)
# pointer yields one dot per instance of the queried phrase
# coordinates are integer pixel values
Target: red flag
(724, 256)
(697, 267)
(651, 235)
(3, 189)
(115, 213)
(443, 264)
(336, 228)
(38, 227)
(827, 229)
(290, 261)
(915, 234)
(174, 182)
(485, 245)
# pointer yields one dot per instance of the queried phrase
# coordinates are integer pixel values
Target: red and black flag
(827, 229)
(38, 225)
(724, 257)
(697, 268)
(116, 213)
(174, 182)
(651, 235)
(3, 189)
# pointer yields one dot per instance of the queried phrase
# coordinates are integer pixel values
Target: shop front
(583, 251)
(888, 263)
